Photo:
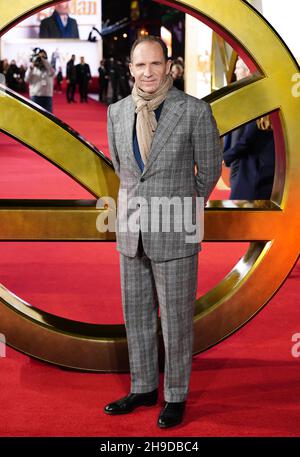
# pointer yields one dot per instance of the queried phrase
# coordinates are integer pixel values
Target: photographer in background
(40, 77)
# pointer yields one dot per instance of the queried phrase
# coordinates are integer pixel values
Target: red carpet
(246, 386)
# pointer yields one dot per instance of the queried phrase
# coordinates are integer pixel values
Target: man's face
(149, 67)
(241, 71)
(62, 8)
(81, 59)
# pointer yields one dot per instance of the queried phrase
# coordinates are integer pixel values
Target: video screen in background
(72, 19)
(62, 30)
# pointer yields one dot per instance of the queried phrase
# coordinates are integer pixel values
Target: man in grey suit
(165, 147)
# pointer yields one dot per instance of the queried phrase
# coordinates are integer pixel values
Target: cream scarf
(146, 121)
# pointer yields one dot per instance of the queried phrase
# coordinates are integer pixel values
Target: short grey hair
(153, 39)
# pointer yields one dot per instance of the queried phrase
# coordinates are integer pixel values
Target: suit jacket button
(142, 179)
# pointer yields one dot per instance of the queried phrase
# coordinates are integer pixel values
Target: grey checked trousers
(170, 285)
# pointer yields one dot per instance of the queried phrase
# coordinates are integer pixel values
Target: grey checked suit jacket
(186, 134)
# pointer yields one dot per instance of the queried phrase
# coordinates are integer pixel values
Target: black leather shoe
(130, 402)
(171, 414)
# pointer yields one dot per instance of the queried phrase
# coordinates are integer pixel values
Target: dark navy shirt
(136, 149)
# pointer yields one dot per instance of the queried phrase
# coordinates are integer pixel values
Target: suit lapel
(129, 113)
(172, 111)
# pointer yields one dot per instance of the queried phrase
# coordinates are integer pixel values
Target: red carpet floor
(246, 386)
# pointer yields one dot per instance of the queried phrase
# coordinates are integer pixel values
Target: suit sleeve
(207, 153)
(75, 32)
(111, 143)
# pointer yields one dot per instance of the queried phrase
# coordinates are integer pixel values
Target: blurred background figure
(40, 77)
(249, 151)
(4, 66)
(254, 153)
(83, 76)
(123, 79)
(103, 81)
(13, 77)
(22, 71)
(177, 75)
(71, 79)
(59, 24)
(54, 58)
(241, 71)
(114, 79)
(58, 80)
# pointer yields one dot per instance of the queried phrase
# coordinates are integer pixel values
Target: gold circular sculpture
(272, 228)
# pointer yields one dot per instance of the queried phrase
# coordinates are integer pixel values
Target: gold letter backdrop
(272, 228)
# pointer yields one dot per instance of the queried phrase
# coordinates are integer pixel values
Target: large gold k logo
(273, 228)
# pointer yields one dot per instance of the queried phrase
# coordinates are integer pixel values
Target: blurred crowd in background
(114, 81)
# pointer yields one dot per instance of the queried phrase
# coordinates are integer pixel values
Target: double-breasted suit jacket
(186, 135)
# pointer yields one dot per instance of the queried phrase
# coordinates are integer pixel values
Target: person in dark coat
(83, 76)
(230, 141)
(123, 76)
(254, 157)
(13, 76)
(103, 81)
(60, 24)
(22, 87)
(241, 71)
(249, 151)
(71, 79)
